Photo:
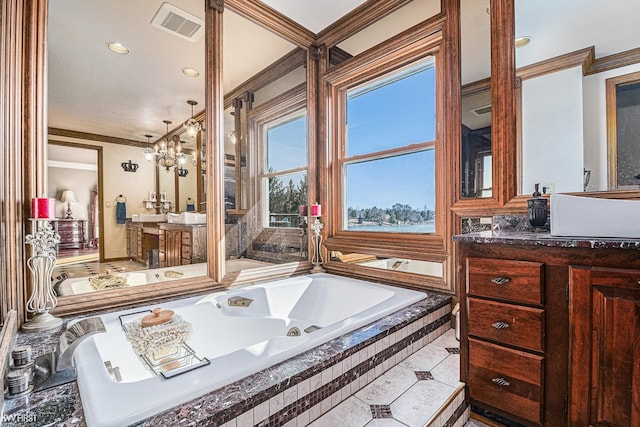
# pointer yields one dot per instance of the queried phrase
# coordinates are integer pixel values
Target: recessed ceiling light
(118, 48)
(522, 41)
(190, 72)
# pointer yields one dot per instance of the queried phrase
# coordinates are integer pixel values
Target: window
(388, 169)
(284, 170)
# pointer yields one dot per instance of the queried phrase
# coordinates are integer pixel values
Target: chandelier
(192, 126)
(168, 153)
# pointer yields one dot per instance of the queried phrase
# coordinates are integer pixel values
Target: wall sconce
(129, 167)
(182, 172)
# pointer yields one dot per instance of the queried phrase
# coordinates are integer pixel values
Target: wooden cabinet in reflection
(182, 244)
(71, 232)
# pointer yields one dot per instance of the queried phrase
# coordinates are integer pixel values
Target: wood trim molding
(273, 21)
(428, 33)
(583, 57)
(337, 55)
(95, 137)
(214, 141)
(503, 117)
(616, 60)
(356, 20)
(17, 147)
(612, 123)
(294, 59)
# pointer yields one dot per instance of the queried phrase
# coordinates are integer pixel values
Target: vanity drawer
(508, 280)
(507, 323)
(506, 379)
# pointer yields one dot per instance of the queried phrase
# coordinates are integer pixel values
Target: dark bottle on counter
(537, 207)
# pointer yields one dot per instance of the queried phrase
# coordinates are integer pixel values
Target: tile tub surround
(308, 378)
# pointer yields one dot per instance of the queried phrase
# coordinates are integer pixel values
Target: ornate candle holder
(316, 239)
(41, 263)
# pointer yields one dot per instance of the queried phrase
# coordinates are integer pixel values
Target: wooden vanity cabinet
(604, 315)
(182, 244)
(516, 333)
(135, 250)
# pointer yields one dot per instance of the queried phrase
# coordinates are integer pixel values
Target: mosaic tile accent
(381, 411)
(423, 375)
(453, 350)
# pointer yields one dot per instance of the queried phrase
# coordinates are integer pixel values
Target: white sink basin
(187, 218)
(149, 217)
(594, 217)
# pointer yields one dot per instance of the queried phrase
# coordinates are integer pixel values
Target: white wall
(552, 131)
(133, 186)
(595, 125)
(82, 182)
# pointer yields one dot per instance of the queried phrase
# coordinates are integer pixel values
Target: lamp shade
(68, 196)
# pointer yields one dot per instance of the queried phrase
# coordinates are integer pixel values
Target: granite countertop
(544, 238)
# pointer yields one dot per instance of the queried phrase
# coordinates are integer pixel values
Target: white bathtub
(238, 341)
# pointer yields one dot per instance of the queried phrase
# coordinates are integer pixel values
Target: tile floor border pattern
(313, 397)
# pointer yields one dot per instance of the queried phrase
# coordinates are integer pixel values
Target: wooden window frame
(400, 52)
(289, 104)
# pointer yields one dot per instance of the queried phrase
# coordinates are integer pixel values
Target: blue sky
(287, 147)
(395, 115)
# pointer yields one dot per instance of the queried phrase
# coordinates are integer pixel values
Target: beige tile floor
(407, 395)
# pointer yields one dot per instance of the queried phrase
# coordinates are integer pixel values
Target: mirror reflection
(405, 265)
(265, 131)
(151, 222)
(124, 158)
(118, 142)
(564, 65)
(475, 43)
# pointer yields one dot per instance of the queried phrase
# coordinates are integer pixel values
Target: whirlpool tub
(284, 318)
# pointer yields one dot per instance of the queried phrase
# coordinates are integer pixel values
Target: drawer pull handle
(500, 280)
(500, 325)
(501, 382)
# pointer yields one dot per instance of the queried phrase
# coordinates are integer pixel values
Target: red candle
(316, 210)
(303, 210)
(43, 208)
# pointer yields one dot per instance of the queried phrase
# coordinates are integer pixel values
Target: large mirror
(120, 118)
(568, 135)
(265, 143)
(475, 45)
(122, 166)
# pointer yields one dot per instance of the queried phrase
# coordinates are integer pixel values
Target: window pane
(393, 112)
(286, 194)
(287, 145)
(393, 194)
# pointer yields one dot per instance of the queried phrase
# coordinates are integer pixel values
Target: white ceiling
(92, 89)
(314, 15)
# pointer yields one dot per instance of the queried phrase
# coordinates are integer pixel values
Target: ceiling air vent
(178, 22)
(480, 111)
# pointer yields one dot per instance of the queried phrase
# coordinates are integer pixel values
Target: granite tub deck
(303, 386)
